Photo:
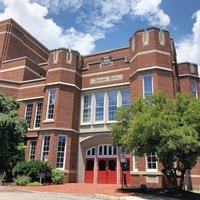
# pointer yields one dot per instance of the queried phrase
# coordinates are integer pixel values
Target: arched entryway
(106, 161)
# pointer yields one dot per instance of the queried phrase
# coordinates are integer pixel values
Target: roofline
(187, 62)
(106, 51)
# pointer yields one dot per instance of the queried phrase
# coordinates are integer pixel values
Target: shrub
(34, 184)
(57, 176)
(22, 180)
(32, 168)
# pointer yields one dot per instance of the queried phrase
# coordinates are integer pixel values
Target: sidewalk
(103, 191)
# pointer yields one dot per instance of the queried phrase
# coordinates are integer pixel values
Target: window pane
(99, 107)
(38, 114)
(87, 99)
(32, 150)
(125, 98)
(194, 88)
(112, 107)
(51, 103)
(61, 151)
(147, 85)
(28, 116)
(45, 152)
(152, 161)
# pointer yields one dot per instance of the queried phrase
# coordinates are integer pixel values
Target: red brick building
(69, 100)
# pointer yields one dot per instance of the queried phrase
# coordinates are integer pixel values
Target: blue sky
(91, 26)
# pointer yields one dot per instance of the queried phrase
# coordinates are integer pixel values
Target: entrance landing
(75, 188)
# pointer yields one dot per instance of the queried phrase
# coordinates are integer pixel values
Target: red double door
(107, 170)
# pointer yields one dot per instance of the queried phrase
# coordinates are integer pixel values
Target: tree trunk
(171, 178)
(181, 182)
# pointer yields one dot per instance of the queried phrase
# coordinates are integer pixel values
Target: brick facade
(59, 89)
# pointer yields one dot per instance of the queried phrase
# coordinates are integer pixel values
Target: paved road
(22, 195)
(19, 195)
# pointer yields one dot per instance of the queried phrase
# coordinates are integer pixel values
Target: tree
(12, 133)
(170, 128)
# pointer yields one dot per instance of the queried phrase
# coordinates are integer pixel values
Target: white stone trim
(12, 69)
(31, 98)
(21, 67)
(150, 51)
(11, 87)
(59, 129)
(64, 69)
(31, 86)
(62, 83)
(150, 68)
(32, 71)
(190, 75)
(106, 72)
(105, 86)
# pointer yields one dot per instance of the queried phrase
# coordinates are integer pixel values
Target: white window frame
(195, 85)
(105, 93)
(30, 149)
(99, 121)
(48, 104)
(117, 98)
(135, 157)
(146, 161)
(143, 85)
(121, 92)
(36, 114)
(107, 151)
(42, 156)
(64, 157)
(30, 103)
(90, 155)
(91, 108)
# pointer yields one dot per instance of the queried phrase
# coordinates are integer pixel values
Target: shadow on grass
(177, 194)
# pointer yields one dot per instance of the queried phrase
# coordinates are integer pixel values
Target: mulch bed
(177, 194)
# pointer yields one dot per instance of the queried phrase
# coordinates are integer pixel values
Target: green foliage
(2, 175)
(34, 184)
(170, 128)
(12, 132)
(22, 180)
(57, 176)
(32, 168)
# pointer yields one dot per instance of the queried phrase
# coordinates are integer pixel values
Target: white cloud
(33, 17)
(150, 11)
(60, 5)
(98, 17)
(188, 48)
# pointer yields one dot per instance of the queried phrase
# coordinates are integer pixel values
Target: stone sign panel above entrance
(106, 79)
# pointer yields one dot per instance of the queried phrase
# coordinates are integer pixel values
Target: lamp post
(123, 166)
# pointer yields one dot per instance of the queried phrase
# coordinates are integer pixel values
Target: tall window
(32, 150)
(151, 162)
(61, 151)
(38, 114)
(87, 108)
(45, 150)
(51, 103)
(135, 163)
(112, 105)
(28, 116)
(125, 98)
(99, 107)
(194, 88)
(147, 85)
